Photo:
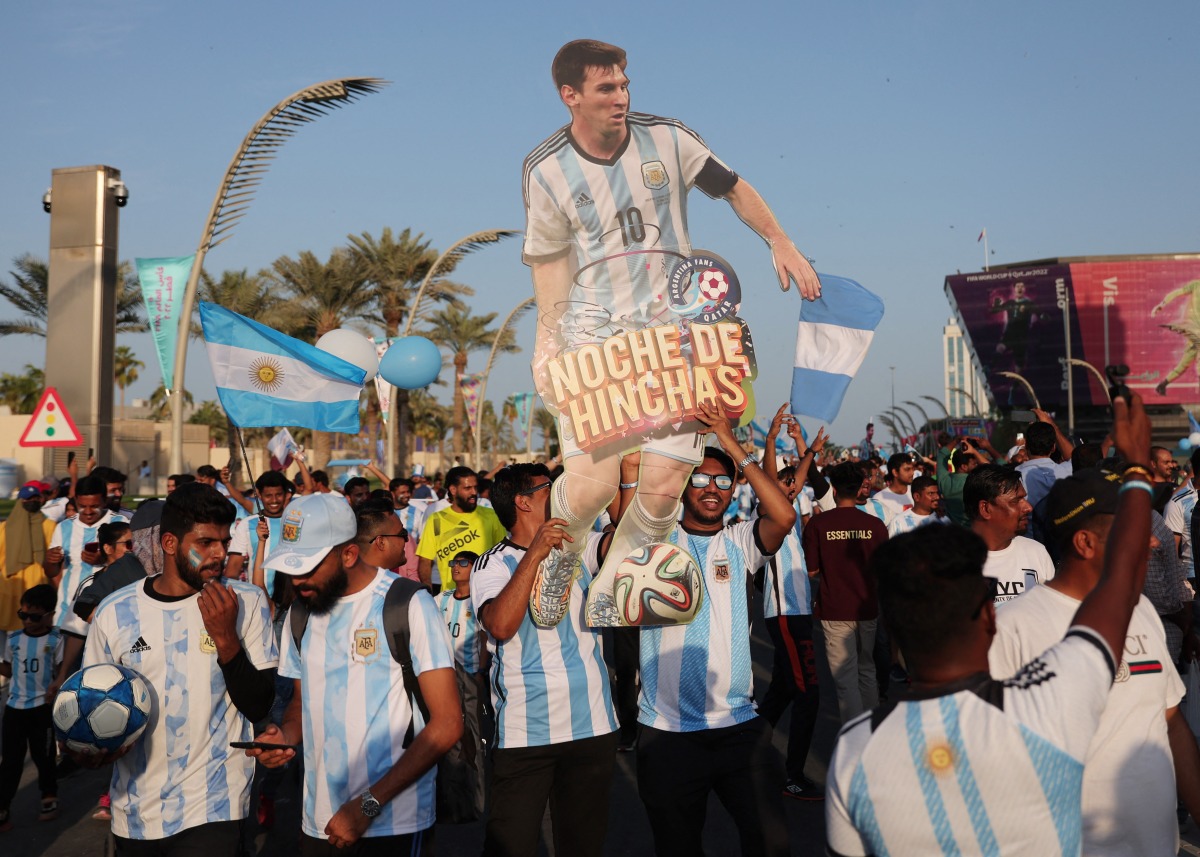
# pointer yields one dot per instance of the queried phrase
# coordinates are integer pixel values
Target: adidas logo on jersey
(140, 646)
(582, 200)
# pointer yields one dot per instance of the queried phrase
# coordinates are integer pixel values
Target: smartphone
(70, 457)
(1020, 437)
(1023, 416)
(91, 453)
(261, 745)
(1116, 381)
(92, 546)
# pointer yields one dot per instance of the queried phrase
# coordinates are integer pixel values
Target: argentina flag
(267, 379)
(831, 343)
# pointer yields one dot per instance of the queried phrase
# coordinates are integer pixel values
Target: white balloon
(1194, 437)
(353, 347)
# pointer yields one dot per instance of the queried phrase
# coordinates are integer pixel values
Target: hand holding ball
(101, 709)
(410, 363)
(353, 347)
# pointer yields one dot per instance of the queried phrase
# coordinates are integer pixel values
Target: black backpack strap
(395, 627)
(298, 619)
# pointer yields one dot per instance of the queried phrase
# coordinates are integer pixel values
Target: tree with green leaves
(29, 293)
(545, 422)
(160, 403)
(21, 392)
(211, 414)
(125, 370)
(458, 331)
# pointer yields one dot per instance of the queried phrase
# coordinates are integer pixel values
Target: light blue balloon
(410, 363)
(1185, 444)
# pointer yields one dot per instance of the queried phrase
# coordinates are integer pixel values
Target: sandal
(49, 809)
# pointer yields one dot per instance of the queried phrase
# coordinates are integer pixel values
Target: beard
(321, 600)
(467, 504)
(194, 577)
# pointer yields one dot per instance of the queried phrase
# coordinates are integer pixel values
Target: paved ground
(74, 834)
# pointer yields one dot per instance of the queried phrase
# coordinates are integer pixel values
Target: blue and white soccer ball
(102, 709)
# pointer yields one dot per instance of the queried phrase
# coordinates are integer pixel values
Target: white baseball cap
(313, 525)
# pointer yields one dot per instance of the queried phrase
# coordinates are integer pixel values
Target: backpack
(456, 780)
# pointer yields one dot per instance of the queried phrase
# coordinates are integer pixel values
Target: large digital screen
(1144, 313)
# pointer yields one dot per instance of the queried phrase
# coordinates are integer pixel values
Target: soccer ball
(101, 709)
(713, 284)
(658, 584)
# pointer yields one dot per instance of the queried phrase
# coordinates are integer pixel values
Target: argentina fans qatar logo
(704, 289)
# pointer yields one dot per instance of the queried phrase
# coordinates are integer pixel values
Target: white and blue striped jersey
(33, 661)
(875, 506)
(1178, 516)
(549, 685)
(356, 710)
(182, 773)
(787, 589)
(905, 522)
(982, 767)
(71, 535)
(699, 676)
(412, 518)
(243, 539)
(624, 221)
(459, 616)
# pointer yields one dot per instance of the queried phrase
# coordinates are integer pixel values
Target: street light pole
(234, 196)
(516, 313)
(454, 254)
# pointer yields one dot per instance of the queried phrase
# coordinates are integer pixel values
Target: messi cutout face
(601, 103)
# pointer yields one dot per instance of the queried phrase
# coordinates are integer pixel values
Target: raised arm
(769, 464)
(235, 493)
(1108, 607)
(1063, 442)
(502, 616)
(789, 262)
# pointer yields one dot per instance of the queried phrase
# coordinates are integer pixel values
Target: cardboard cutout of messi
(636, 328)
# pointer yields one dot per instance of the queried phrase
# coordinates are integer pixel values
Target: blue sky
(884, 136)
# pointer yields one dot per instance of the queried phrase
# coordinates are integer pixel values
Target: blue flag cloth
(832, 339)
(163, 282)
(267, 379)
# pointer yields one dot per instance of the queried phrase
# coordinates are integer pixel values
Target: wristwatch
(370, 806)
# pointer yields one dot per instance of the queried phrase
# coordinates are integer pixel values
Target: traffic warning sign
(51, 425)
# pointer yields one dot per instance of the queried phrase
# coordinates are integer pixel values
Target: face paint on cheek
(194, 559)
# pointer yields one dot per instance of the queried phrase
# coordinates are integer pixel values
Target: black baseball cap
(1074, 500)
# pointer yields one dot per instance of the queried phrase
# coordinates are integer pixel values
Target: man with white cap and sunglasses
(364, 782)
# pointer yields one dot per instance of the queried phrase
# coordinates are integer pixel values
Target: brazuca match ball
(658, 584)
(713, 284)
(101, 709)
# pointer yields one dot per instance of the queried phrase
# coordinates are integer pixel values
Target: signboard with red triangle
(51, 425)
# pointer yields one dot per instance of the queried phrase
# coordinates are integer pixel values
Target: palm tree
(125, 370)
(431, 419)
(250, 295)
(160, 405)
(394, 267)
(454, 328)
(548, 426)
(21, 392)
(30, 289)
(211, 414)
(327, 295)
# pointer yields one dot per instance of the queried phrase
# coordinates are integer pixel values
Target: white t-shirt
(182, 773)
(910, 520)
(897, 503)
(549, 685)
(1129, 778)
(71, 534)
(983, 767)
(356, 709)
(1020, 566)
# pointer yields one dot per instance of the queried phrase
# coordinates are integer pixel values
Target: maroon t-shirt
(838, 543)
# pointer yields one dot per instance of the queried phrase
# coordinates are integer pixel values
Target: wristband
(746, 462)
(1139, 470)
(1139, 484)
(629, 484)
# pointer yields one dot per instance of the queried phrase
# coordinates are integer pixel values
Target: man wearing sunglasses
(700, 732)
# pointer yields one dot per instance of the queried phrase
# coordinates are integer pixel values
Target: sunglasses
(128, 543)
(462, 563)
(702, 480)
(400, 535)
(30, 617)
(534, 489)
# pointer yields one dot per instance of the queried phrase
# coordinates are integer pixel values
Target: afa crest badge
(366, 643)
(654, 175)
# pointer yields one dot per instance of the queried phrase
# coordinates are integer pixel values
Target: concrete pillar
(81, 320)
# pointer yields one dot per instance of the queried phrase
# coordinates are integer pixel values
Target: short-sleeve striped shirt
(549, 685)
(983, 767)
(33, 660)
(356, 710)
(71, 535)
(182, 773)
(459, 616)
(786, 586)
